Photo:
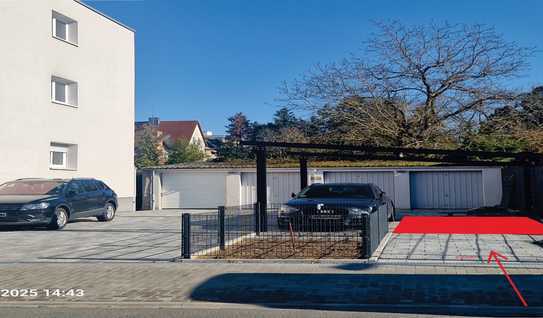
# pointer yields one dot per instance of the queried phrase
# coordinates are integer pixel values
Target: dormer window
(64, 28)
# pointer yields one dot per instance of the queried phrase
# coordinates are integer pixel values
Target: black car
(342, 204)
(53, 202)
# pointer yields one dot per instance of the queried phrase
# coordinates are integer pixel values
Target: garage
(190, 189)
(280, 186)
(208, 185)
(383, 179)
(446, 189)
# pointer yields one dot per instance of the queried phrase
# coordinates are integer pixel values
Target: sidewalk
(348, 286)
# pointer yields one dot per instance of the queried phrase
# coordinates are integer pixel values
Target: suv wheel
(60, 218)
(109, 213)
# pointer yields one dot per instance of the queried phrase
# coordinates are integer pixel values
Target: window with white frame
(64, 28)
(63, 156)
(64, 91)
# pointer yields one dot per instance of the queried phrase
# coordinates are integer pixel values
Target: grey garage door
(189, 189)
(383, 179)
(280, 186)
(446, 189)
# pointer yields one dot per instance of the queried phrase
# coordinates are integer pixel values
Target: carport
(427, 238)
(450, 194)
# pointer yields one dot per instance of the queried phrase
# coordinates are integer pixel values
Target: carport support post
(303, 172)
(261, 186)
(185, 235)
(221, 228)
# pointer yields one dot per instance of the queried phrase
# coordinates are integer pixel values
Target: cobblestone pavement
(155, 236)
(140, 236)
(461, 247)
(274, 285)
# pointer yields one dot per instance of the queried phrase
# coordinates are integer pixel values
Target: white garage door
(193, 190)
(383, 179)
(446, 189)
(280, 186)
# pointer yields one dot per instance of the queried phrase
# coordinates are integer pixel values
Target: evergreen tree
(183, 151)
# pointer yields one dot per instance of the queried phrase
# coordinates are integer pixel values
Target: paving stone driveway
(140, 236)
(460, 247)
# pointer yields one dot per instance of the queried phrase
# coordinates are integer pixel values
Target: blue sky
(206, 60)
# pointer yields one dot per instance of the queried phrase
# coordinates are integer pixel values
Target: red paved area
(468, 225)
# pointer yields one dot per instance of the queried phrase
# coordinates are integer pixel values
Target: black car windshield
(33, 187)
(337, 191)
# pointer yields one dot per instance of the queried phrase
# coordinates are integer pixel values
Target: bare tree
(413, 85)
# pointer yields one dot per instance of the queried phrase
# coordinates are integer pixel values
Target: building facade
(66, 94)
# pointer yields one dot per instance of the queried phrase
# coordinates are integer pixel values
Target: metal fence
(321, 231)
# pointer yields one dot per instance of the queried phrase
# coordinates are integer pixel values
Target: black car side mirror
(293, 195)
(71, 193)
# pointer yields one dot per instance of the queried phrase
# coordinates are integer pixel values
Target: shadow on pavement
(483, 295)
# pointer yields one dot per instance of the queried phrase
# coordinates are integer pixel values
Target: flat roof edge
(105, 15)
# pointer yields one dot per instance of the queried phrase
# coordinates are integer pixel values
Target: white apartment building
(66, 94)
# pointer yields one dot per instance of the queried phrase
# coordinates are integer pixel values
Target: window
(64, 91)
(63, 156)
(90, 186)
(64, 28)
(100, 185)
(58, 157)
(75, 188)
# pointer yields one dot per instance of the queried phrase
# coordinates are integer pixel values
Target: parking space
(462, 247)
(140, 236)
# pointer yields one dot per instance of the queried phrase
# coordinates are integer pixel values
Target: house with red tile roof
(173, 130)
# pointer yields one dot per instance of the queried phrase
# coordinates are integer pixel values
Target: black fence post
(261, 186)
(185, 235)
(221, 228)
(366, 237)
(256, 210)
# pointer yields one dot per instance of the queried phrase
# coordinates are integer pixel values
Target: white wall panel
(280, 186)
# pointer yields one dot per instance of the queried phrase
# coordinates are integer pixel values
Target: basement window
(63, 156)
(64, 28)
(64, 91)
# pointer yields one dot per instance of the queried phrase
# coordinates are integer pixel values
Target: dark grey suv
(53, 202)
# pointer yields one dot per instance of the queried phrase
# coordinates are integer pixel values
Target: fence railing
(321, 231)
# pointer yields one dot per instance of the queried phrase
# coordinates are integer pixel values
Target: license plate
(3, 214)
(325, 217)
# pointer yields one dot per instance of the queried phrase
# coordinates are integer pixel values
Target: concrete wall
(102, 125)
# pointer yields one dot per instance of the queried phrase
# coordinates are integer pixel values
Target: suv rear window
(89, 186)
(100, 185)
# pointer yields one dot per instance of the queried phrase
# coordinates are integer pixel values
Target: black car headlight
(35, 206)
(359, 212)
(286, 210)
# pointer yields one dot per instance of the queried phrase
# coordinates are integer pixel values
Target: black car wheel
(59, 220)
(109, 213)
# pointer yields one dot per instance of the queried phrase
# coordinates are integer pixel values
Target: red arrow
(496, 256)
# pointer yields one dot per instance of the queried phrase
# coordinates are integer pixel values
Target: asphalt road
(191, 312)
